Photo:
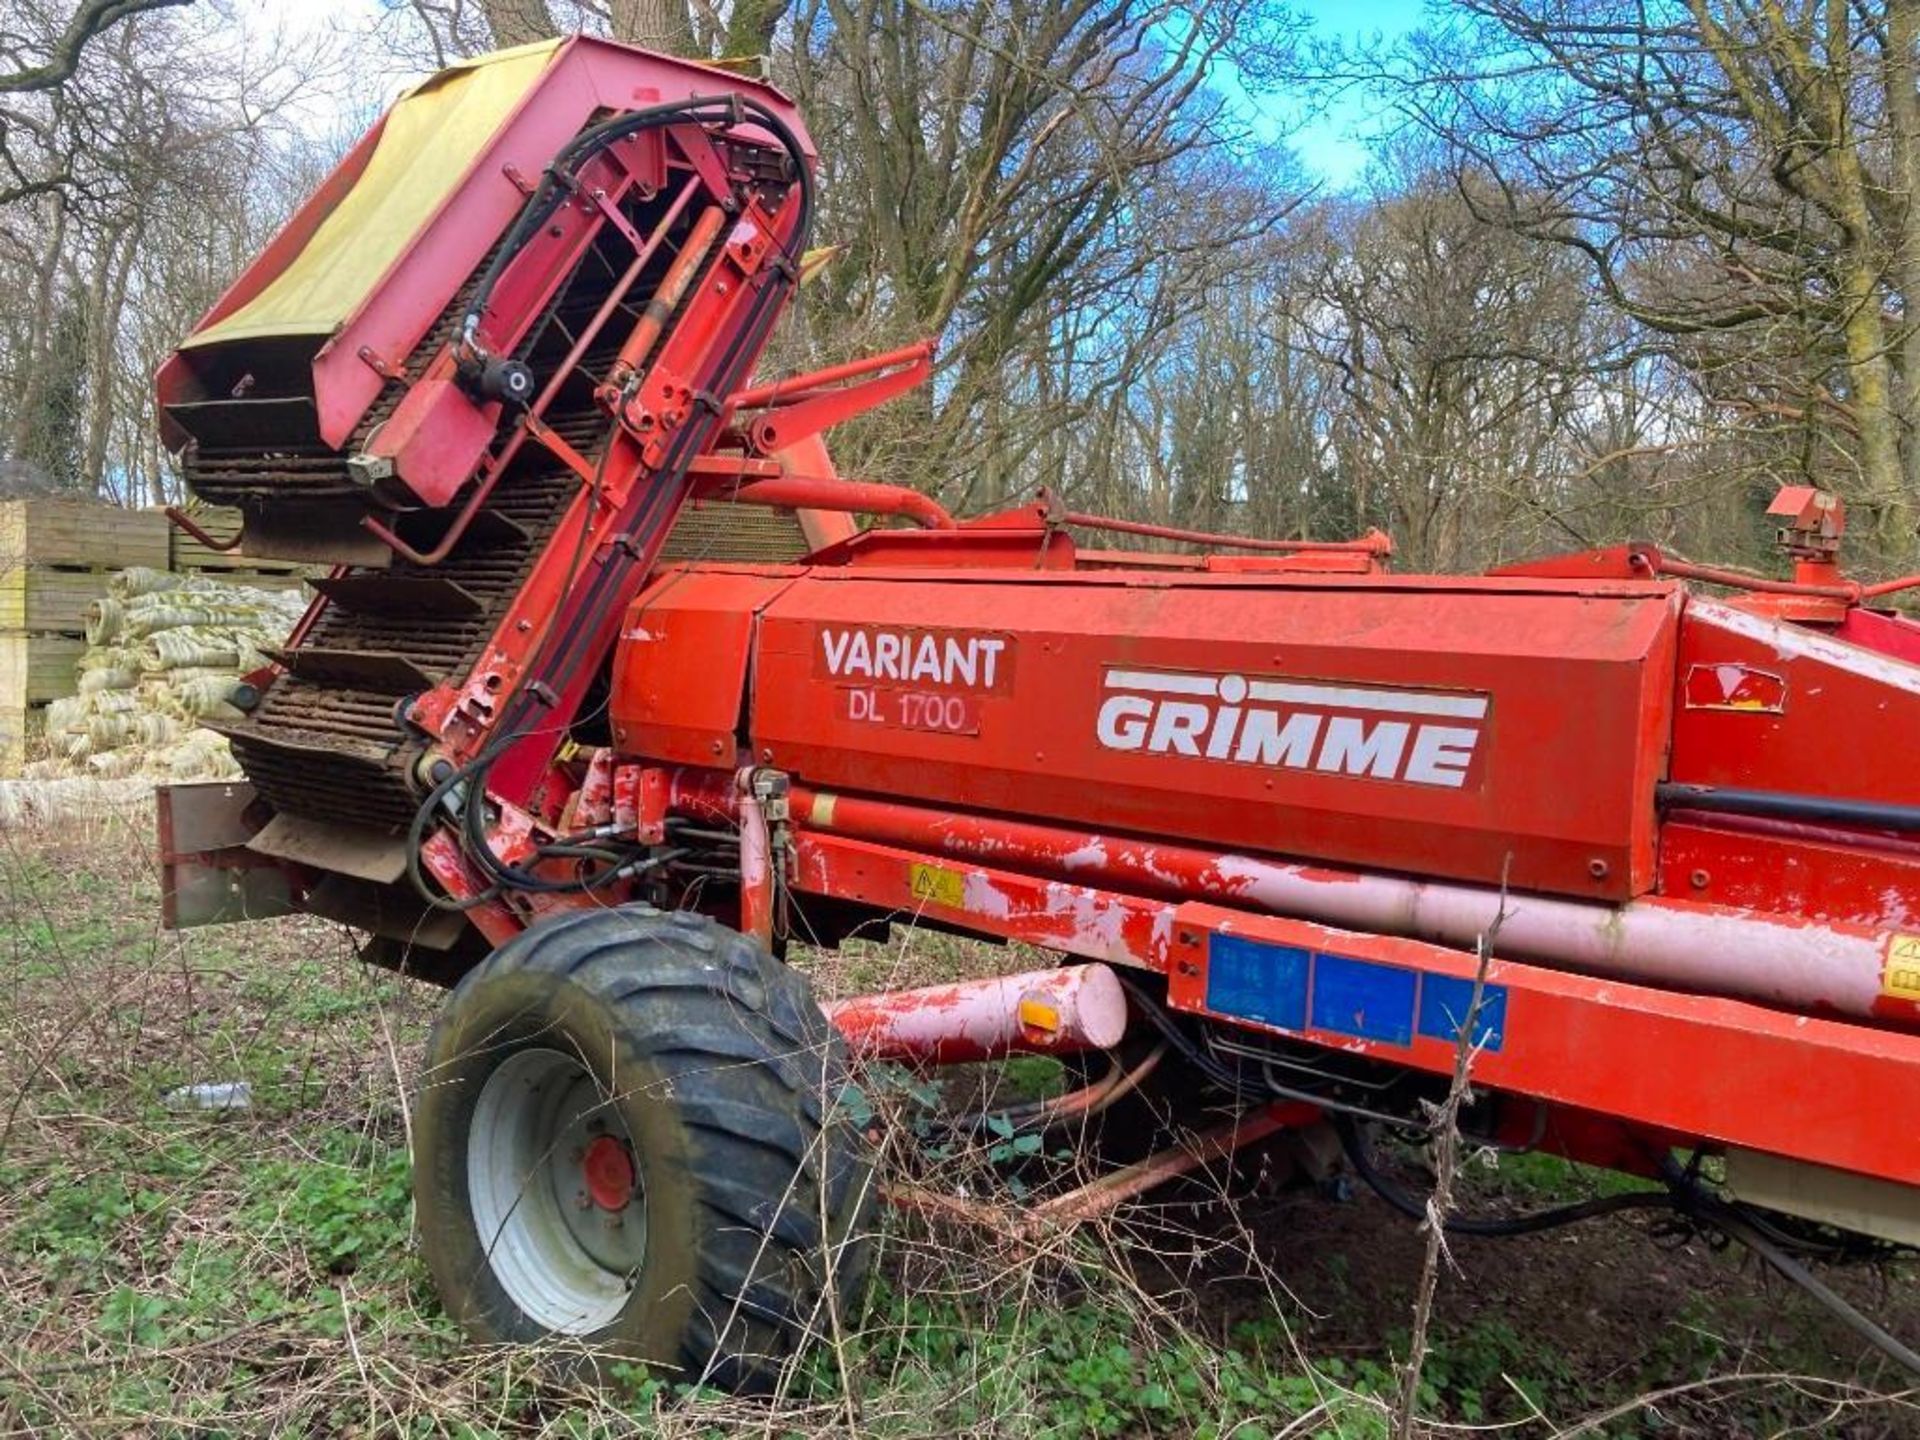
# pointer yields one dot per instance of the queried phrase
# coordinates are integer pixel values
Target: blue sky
(1331, 137)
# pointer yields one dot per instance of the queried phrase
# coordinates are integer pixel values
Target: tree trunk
(1903, 113)
(518, 22)
(750, 28)
(656, 24)
(106, 297)
(1871, 380)
(31, 399)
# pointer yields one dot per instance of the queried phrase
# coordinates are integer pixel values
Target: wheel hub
(608, 1167)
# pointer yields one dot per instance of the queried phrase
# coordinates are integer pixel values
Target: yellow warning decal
(946, 887)
(1901, 976)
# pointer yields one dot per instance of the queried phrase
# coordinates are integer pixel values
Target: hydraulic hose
(557, 181)
(1683, 1196)
(607, 584)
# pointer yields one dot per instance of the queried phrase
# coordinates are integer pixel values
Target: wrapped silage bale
(164, 653)
(104, 620)
(143, 580)
(109, 677)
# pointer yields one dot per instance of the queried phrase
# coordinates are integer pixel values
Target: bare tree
(171, 124)
(1026, 183)
(699, 30)
(62, 48)
(1740, 179)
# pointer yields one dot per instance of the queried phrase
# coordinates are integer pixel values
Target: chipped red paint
(987, 1019)
(1091, 922)
(756, 864)
(1787, 959)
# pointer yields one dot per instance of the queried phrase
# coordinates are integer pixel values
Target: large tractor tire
(629, 1134)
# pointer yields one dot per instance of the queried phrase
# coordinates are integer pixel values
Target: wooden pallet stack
(56, 557)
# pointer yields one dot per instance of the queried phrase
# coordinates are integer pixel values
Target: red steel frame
(1636, 1068)
(992, 835)
(1619, 1070)
(1622, 1069)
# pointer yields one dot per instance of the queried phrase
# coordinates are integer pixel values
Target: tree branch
(93, 17)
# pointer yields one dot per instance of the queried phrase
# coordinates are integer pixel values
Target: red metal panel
(1443, 727)
(1835, 719)
(1793, 870)
(587, 76)
(1721, 1070)
(1894, 635)
(680, 668)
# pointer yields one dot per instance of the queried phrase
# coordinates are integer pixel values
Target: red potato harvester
(606, 699)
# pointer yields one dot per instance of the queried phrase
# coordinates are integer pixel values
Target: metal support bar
(179, 517)
(821, 492)
(588, 333)
(805, 405)
(1059, 1011)
(1375, 542)
(1097, 1197)
(561, 450)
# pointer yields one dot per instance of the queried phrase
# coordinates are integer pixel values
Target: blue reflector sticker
(1293, 988)
(1445, 1001)
(1357, 997)
(1267, 983)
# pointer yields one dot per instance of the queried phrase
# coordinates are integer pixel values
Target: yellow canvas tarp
(432, 136)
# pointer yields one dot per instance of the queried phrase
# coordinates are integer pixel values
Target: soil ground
(169, 1273)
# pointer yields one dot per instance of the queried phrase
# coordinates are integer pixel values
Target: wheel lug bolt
(583, 1201)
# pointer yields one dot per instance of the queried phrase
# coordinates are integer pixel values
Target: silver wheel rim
(555, 1235)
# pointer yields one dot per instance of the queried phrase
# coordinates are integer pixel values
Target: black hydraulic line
(1781, 805)
(1231, 1080)
(556, 184)
(1748, 1226)
(608, 584)
(557, 181)
(1360, 1156)
(1684, 1197)
(417, 830)
(1183, 1044)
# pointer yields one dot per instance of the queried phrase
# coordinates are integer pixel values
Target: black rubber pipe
(1780, 805)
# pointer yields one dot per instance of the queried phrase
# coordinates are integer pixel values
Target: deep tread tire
(727, 1077)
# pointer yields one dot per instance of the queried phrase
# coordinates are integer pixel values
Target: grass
(184, 1273)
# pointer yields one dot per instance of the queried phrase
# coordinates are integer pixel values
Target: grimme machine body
(607, 698)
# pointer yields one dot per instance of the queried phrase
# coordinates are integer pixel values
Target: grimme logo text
(1421, 737)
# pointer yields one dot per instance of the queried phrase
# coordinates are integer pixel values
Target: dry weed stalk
(1445, 1129)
